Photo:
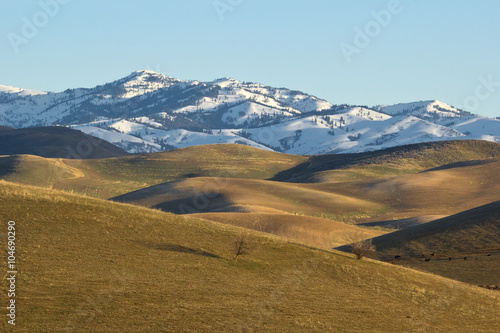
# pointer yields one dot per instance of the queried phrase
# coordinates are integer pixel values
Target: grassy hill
(201, 195)
(444, 191)
(36, 170)
(440, 192)
(473, 234)
(55, 142)
(106, 178)
(394, 161)
(309, 230)
(92, 265)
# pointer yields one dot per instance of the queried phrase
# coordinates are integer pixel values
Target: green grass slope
(87, 265)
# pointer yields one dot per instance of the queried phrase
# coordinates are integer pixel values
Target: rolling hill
(106, 178)
(439, 191)
(473, 234)
(315, 231)
(56, 142)
(36, 170)
(442, 191)
(392, 185)
(395, 161)
(92, 265)
(202, 195)
(475, 230)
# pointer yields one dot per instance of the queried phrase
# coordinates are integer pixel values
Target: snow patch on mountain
(424, 109)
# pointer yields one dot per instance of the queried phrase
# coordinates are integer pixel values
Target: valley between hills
(129, 238)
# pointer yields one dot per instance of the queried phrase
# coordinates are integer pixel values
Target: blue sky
(446, 50)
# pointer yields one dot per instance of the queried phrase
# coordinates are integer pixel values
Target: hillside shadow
(8, 165)
(318, 163)
(336, 160)
(294, 172)
(181, 249)
(463, 164)
(187, 201)
(206, 203)
(397, 224)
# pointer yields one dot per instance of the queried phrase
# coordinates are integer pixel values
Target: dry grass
(305, 229)
(35, 170)
(89, 265)
(222, 180)
(106, 178)
(228, 195)
(439, 192)
(473, 234)
(390, 162)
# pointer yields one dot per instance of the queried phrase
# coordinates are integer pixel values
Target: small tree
(241, 246)
(363, 248)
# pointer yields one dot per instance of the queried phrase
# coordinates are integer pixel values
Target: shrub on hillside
(363, 248)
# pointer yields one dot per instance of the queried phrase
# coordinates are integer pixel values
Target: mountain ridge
(148, 112)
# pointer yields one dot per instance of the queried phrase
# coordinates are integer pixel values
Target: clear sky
(342, 51)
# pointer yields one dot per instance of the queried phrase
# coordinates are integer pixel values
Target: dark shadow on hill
(181, 249)
(464, 164)
(187, 202)
(399, 224)
(5, 128)
(293, 173)
(206, 203)
(8, 165)
(56, 142)
(471, 231)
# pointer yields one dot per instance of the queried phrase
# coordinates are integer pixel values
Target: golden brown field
(92, 265)
(108, 266)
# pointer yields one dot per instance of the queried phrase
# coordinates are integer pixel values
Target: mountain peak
(146, 71)
(19, 91)
(147, 111)
(430, 109)
(225, 82)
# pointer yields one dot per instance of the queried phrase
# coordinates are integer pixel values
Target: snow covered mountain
(428, 110)
(148, 112)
